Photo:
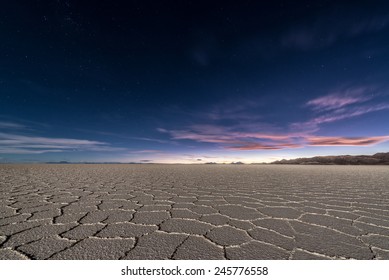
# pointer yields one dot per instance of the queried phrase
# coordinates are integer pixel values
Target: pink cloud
(333, 107)
(247, 141)
(220, 134)
(237, 140)
(345, 141)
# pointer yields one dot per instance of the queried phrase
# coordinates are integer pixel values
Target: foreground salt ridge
(193, 212)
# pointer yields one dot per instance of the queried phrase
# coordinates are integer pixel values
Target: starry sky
(192, 81)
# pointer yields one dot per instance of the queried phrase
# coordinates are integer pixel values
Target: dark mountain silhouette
(376, 159)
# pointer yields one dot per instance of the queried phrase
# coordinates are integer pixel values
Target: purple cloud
(340, 105)
(338, 115)
(340, 99)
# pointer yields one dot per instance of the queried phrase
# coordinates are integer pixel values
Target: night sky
(192, 81)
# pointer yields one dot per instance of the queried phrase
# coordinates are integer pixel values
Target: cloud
(249, 141)
(223, 134)
(243, 111)
(340, 105)
(198, 137)
(146, 151)
(349, 113)
(127, 137)
(11, 125)
(162, 130)
(273, 137)
(252, 146)
(11, 150)
(346, 141)
(340, 99)
(236, 140)
(338, 115)
(320, 33)
(246, 134)
(21, 144)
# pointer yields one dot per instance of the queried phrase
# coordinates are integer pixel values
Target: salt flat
(194, 212)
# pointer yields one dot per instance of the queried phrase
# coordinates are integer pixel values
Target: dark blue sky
(192, 81)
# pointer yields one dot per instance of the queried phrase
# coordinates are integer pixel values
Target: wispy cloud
(245, 141)
(349, 113)
(346, 141)
(222, 134)
(340, 105)
(201, 136)
(11, 150)
(230, 110)
(11, 125)
(236, 140)
(258, 146)
(146, 151)
(320, 33)
(341, 99)
(248, 133)
(118, 135)
(22, 144)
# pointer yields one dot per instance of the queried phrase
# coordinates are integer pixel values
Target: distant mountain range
(92, 162)
(376, 159)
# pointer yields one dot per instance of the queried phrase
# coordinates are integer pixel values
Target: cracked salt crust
(193, 212)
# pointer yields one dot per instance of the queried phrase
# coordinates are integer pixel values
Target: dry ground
(193, 212)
